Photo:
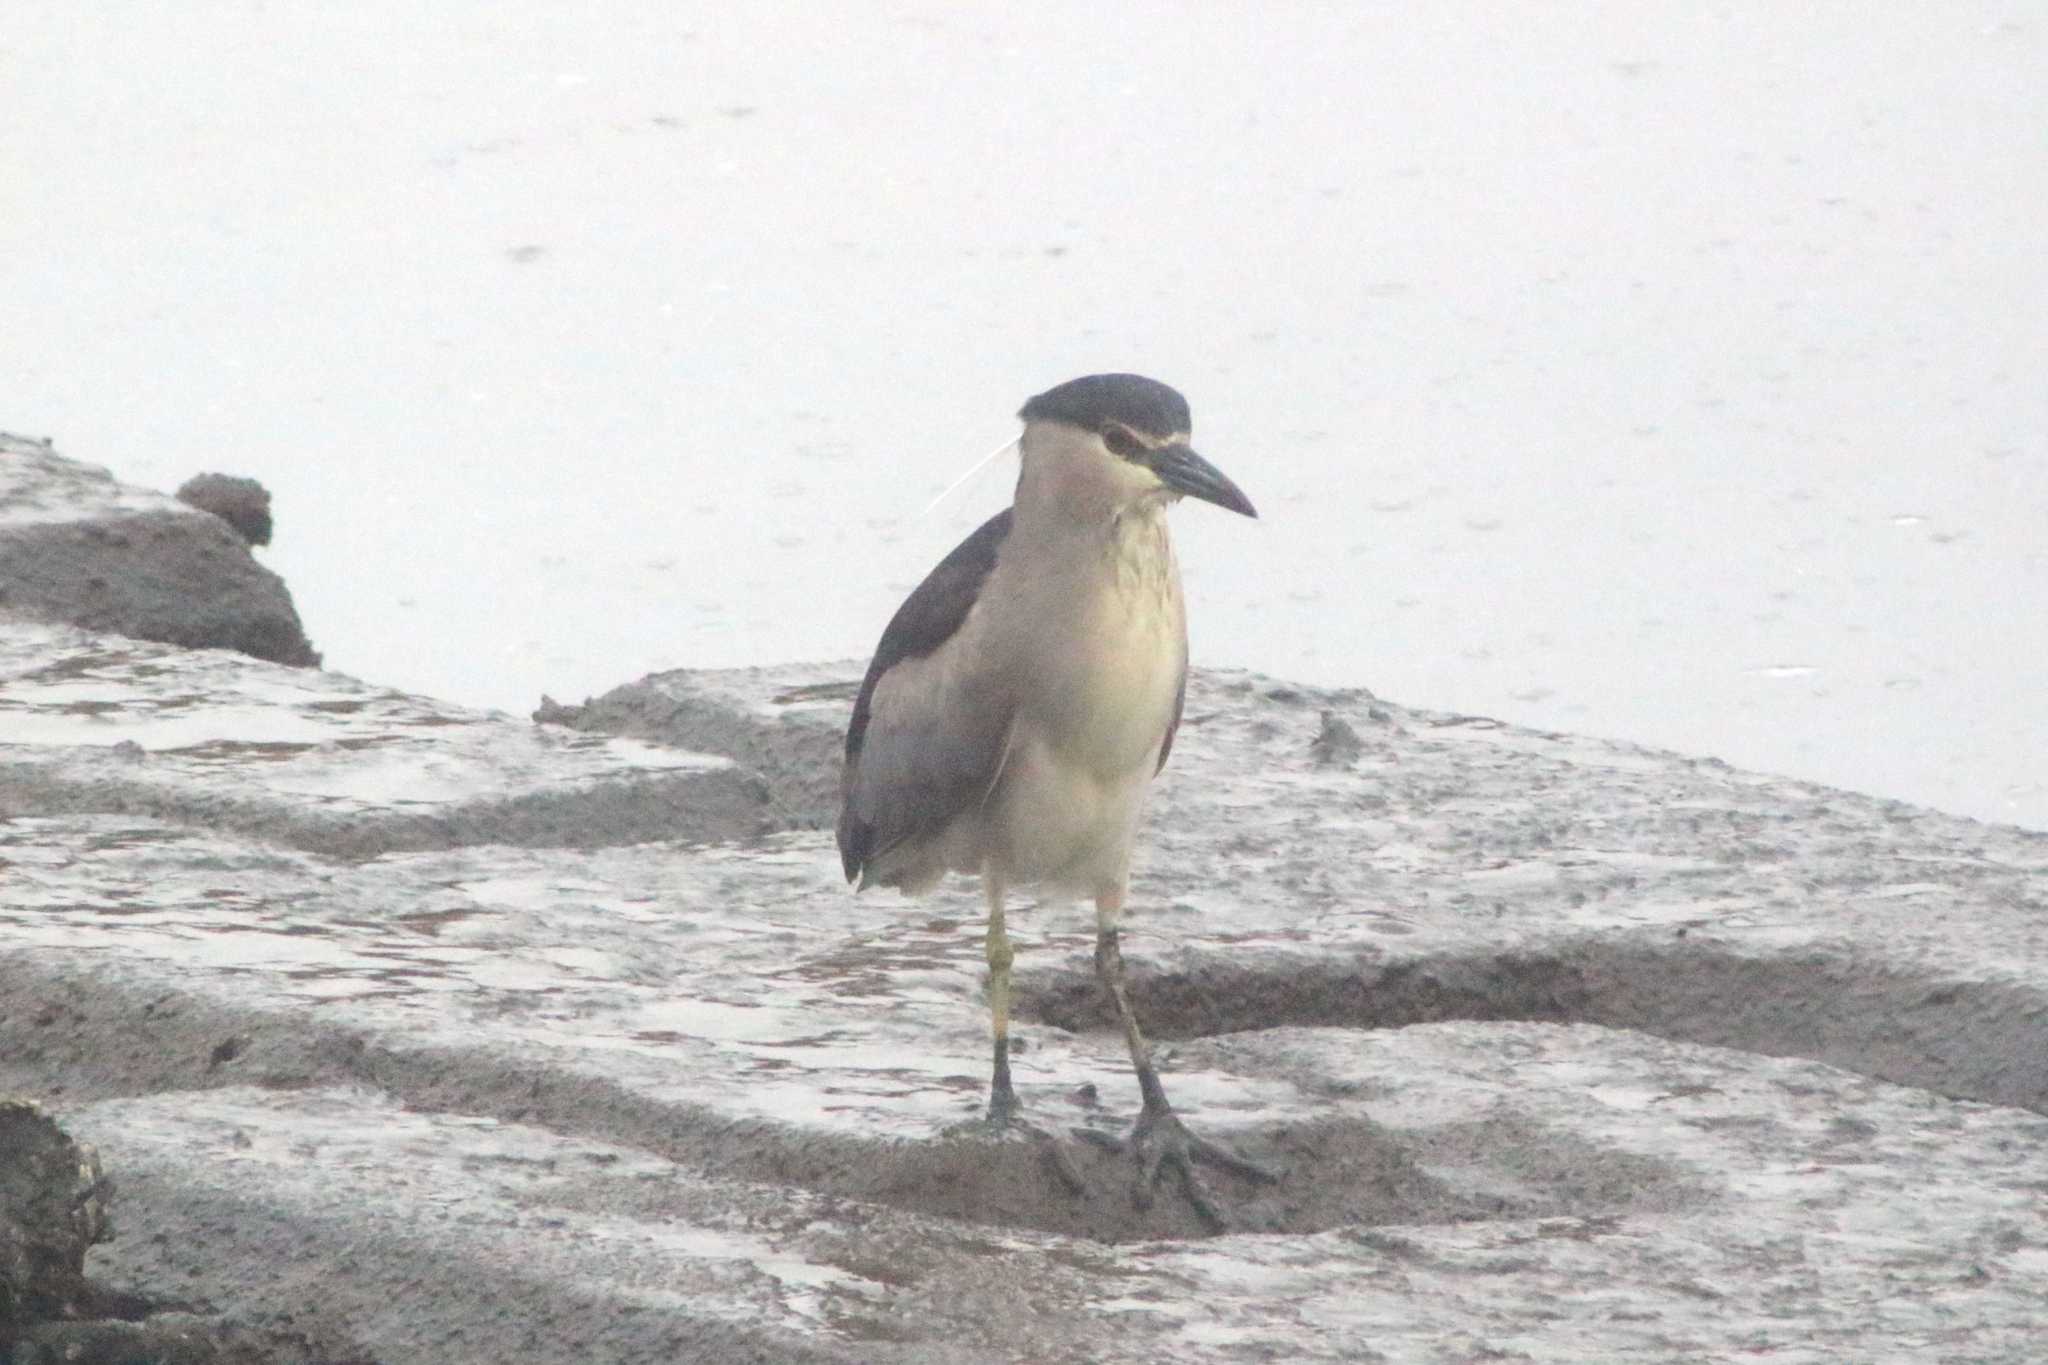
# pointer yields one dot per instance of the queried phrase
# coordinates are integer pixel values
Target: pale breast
(1111, 657)
(1104, 672)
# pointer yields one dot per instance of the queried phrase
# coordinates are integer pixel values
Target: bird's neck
(1090, 533)
(1105, 574)
(1127, 539)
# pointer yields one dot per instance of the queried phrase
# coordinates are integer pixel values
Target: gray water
(1658, 371)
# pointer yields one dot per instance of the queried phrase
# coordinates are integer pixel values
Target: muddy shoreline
(446, 1035)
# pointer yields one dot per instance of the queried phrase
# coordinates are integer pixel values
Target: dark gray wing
(912, 782)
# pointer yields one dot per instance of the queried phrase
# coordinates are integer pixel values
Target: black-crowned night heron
(1024, 696)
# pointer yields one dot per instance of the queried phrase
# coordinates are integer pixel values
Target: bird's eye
(1121, 442)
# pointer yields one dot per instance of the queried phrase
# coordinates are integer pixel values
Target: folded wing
(930, 724)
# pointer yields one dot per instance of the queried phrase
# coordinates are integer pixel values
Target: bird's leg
(1160, 1141)
(1002, 1119)
(1109, 970)
(1002, 1100)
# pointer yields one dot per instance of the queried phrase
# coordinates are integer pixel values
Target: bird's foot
(1161, 1143)
(1002, 1123)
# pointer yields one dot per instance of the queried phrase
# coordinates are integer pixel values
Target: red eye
(1121, 442)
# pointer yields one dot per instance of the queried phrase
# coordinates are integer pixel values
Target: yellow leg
(1109, 970)
(1002, 1100)
(1160, 1141)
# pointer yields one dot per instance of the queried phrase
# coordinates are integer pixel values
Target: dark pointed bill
(1180, 469)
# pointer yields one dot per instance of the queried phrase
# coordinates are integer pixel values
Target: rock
(1337, 744)
(79, 548)
(53, 1207)
(243, 504)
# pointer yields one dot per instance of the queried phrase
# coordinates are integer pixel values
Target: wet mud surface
(451, 1036)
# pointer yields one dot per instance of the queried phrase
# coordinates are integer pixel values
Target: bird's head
(1126, 436)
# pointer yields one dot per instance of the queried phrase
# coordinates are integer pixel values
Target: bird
(1021, 701)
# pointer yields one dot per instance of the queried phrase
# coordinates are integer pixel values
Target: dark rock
(1336, 745)
(79, 548)
(179, 579)
(243, 504)
(52, 1208)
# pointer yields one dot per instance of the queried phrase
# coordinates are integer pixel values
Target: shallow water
(1664, 373)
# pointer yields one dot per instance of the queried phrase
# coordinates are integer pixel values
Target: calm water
(1655, 371)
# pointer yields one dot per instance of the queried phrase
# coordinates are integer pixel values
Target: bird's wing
(928, 728)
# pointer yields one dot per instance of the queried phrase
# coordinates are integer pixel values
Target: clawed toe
(1162, 1144)
(1001, 1124)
